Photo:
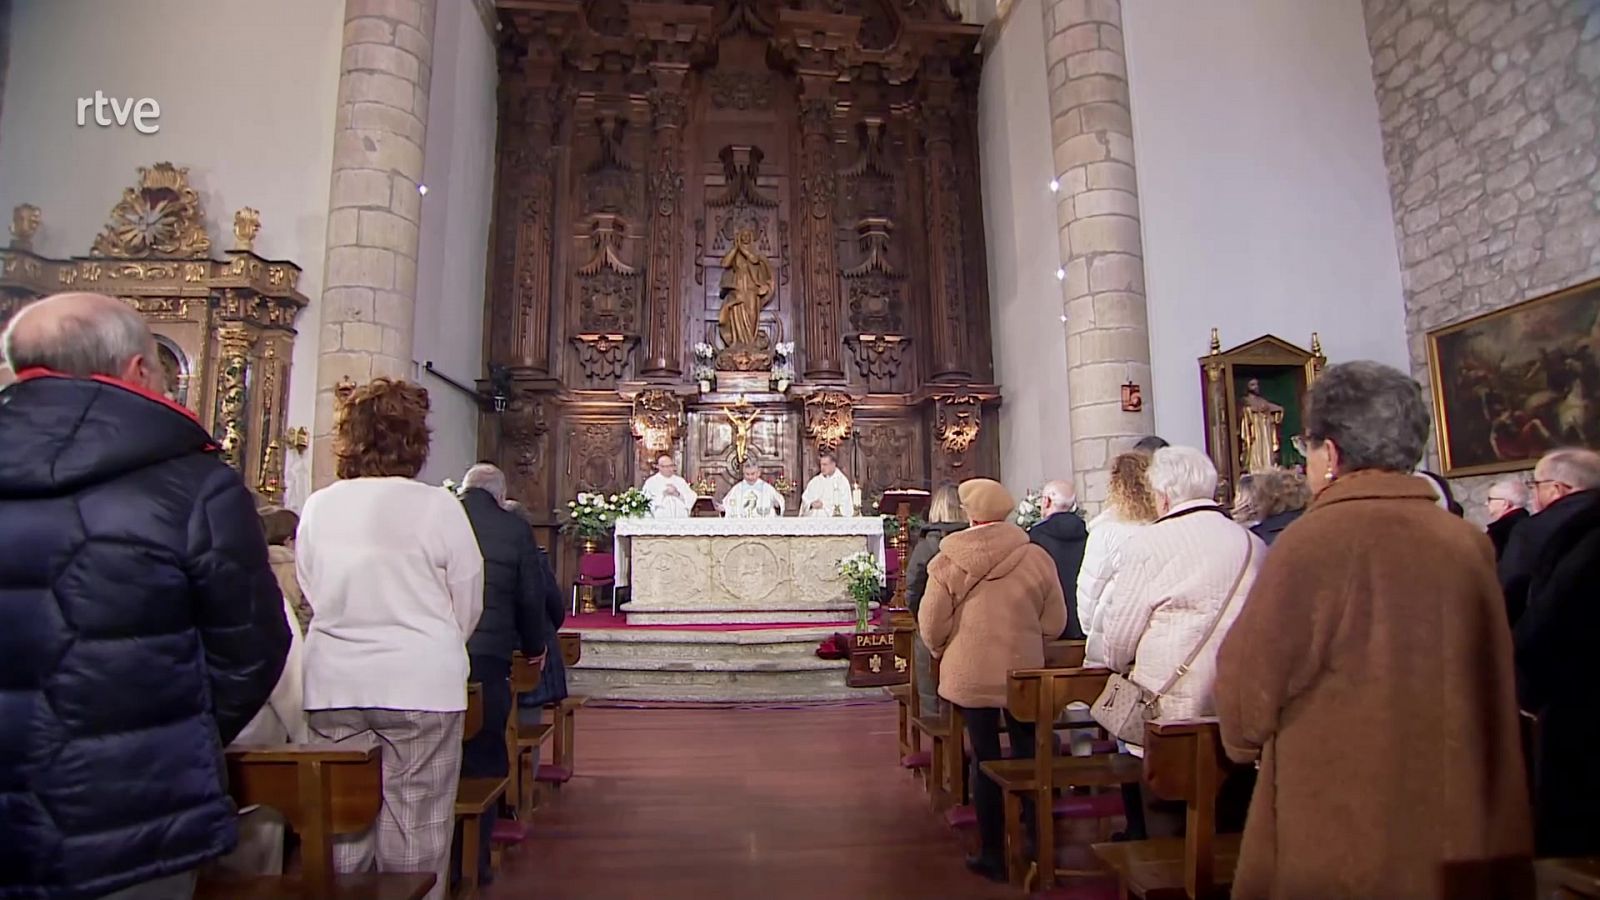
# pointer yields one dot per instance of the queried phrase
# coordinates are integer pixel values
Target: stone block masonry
(375, 211)
(1490, 112)
(1097, 217)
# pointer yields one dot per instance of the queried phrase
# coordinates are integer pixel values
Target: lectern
(902, 503)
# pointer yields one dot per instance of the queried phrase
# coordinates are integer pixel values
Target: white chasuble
(752, 501)
(664, 505)
(832, 491)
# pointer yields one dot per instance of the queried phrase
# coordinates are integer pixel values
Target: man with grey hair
(144, 627)
(1564, 485)
(1507, 505)
(518, 587)
(1063, 535)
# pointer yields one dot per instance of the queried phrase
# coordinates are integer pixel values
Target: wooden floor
(732, 804)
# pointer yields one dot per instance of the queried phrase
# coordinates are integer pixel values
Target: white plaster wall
(458, 169)
(1262, 187)
(1019, 226)
(247, 95)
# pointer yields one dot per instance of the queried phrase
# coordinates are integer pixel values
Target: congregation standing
(1370, 656)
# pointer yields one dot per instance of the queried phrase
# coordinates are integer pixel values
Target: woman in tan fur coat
(993, 599)
(1370, 673)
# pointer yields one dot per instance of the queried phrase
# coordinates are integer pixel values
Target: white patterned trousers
(421, 769)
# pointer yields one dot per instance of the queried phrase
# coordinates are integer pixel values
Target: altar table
(722, 571)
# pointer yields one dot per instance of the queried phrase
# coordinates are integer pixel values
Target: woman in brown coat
(993, 599)
(1370, 673)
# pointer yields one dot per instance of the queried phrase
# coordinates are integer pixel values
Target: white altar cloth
(870, 528)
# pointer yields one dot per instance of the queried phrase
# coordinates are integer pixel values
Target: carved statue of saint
(746, 287)
(1260, 427)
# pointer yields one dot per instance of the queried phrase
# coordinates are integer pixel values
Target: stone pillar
(1097, 213)
(374, 208)
(5, 63)
(818, 190)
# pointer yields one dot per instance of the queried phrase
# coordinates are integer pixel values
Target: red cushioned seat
(1088, 806)
(554, 774)
(922, 759)
(961, 817)
(509, 831)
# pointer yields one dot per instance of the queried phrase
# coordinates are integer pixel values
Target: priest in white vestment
(670, 495)
(752, 498)
(828, 493)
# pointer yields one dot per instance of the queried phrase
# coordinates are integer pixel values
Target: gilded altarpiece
(224, 327)
(829, 150)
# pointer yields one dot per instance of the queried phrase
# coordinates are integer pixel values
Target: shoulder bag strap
(1182, 670)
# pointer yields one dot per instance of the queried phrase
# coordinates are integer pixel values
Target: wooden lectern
(704, 508)
(902, 503)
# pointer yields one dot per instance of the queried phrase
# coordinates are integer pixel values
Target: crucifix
(742, 417)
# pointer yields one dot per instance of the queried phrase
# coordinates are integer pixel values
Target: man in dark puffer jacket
(142, 625)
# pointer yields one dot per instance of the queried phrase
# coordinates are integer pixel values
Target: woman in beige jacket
(993, 599)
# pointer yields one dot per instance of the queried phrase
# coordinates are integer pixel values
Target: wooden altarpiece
(1284, 373)
(832, 143)
(224, 327)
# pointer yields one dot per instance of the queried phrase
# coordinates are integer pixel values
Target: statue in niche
(1260, 424)
(746, 289)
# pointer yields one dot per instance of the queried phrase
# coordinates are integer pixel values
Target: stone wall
(1490, 112)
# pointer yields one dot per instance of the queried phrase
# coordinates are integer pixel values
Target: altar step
(819, 612)
(778, 664)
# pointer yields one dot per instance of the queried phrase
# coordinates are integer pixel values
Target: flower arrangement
(891, 525)
(863, 575)
(590, 516)
(631, 504)
(704, 368)
(783, 362)
(1030, 509)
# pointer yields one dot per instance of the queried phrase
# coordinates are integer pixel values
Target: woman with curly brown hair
(392, 568)
(1130, 506)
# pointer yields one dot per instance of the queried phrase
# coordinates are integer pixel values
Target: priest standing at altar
(828, 493)
(753, 497)
(670, 495)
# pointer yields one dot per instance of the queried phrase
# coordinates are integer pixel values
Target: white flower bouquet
(863, 576)
(590, 516)
(632, 503)
(1030, 509)
(704, 352)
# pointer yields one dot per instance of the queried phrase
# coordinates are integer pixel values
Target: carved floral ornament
(657, 417)
(160, 216)
(959, 418)
(830, 417)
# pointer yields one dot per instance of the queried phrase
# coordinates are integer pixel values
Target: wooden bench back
(322, 790)
(571, 647)
(1063, 654)
(474, 721)
(525, 674)
(1041, 696)
(1184, 760)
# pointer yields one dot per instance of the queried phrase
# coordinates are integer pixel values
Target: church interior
(731, 301)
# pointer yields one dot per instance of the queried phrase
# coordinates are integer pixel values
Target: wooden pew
(524, 742)
(564, 719)
(946, 777)
(1568, 879)
(1183, 760)
(1040, 696)
(322, 790)
(474, 798)
(905, 695)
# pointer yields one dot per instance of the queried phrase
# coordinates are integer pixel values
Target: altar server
(753, 497)
(828, 493)
(670, 496)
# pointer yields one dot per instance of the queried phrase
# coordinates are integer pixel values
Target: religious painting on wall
(1512, 384)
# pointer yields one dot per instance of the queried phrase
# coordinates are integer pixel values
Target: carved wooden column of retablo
(814, 42)
(524, 210)
(948, 321)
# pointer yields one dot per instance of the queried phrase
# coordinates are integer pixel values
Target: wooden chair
(323, 791)
(1183, 760)
(475, 797)
(946, 777)
(1040, 696)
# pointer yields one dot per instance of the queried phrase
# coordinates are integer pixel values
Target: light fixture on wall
(1061, 274)
(422, 189)
(497, 398)
(1055, 185)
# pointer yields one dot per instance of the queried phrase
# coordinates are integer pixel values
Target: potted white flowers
(705, 371)
(1030, 509)
(782, 366)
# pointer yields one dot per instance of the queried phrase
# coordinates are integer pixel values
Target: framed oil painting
(1511, 384)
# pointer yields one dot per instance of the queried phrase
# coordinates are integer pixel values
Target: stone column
(374, 207)
(1097, 213)
(5, 53)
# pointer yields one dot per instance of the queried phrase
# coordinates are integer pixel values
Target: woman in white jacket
(1182, 581)
(1129, 507)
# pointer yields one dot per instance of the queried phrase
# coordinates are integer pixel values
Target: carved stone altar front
(658, 161)
(712, 571)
